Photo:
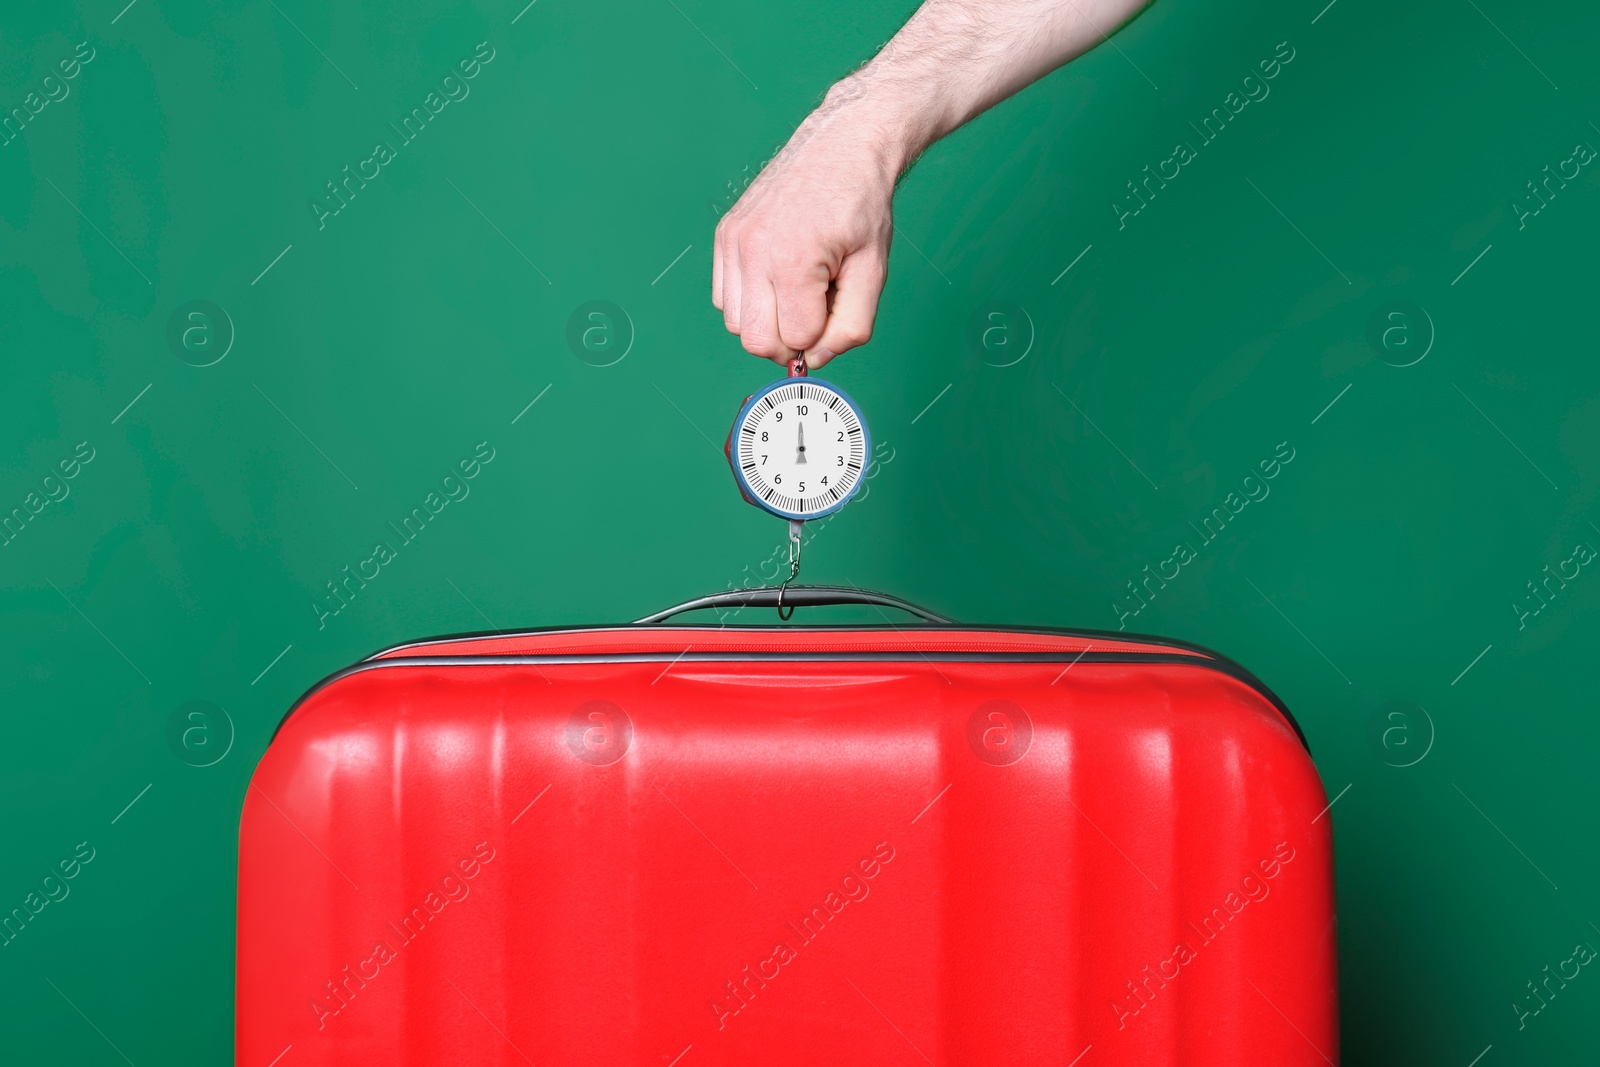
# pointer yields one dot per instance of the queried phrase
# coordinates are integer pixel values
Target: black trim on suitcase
(1215, 662)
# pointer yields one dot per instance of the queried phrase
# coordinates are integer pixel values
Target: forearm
(953, 60)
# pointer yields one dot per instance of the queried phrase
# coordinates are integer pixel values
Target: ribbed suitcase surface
(683, 847)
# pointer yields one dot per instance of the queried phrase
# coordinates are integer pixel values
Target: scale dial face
(800, 448)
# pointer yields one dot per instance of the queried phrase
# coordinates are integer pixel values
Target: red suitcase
(680, 845)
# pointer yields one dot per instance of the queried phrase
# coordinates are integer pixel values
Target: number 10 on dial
(798, 448)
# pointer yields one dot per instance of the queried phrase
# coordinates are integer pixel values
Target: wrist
(889, 125)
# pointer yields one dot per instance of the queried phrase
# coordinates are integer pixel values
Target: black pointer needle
(800, 453)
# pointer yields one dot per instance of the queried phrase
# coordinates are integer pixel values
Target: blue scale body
(744, 413)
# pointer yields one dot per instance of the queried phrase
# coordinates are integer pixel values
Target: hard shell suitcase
(682, 845)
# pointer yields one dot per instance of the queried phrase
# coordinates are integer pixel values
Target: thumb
(854, 308)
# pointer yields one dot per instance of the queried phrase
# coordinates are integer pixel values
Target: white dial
(800, 448)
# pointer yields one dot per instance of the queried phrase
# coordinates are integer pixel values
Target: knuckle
(753, 243)
(765, 347)
(790, 257)
(856, 333)
(798, 339)
(869, 271)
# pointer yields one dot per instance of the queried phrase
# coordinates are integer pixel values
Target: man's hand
(800, 260)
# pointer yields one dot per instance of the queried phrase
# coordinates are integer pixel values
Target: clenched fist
(800, 260)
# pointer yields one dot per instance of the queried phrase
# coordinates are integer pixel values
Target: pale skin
(799, 262)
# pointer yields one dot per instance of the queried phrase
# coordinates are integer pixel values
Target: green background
(603, 140)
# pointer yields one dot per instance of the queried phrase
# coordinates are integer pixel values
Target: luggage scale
(798, 450)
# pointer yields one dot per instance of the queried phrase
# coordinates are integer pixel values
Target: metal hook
(794, 567)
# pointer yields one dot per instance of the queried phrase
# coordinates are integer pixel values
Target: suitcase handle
(798, 596)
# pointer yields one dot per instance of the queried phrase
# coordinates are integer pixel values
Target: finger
(758, 320)
(732, 283)
(802, 296)
(716, 267)
(855, 307)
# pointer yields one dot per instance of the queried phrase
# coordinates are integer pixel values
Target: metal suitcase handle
(795, 596)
